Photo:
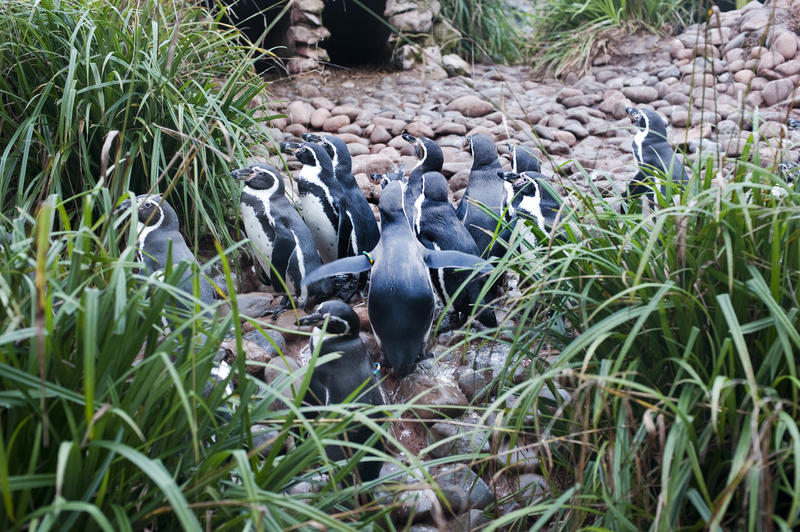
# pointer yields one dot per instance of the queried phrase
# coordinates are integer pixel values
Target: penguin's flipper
(343, 234)
(282, 252)
(357, 264)
(454, 259)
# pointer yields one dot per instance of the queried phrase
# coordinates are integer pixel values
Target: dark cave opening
(359, 36)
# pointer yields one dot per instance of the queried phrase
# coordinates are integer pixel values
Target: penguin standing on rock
(484, 186)
(440, 229)
(430, 159)
(653, 154)
(359, 220)
(282, 243)
(321, 199)
(160, 242)
(400, 301)
(334, 381)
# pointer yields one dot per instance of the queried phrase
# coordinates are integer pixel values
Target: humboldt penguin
(485, 187)
(359, 220)
(429, 159)
(523, 159)
(653, 154)
(388, 177)
(531, 199)
(281, 242)
(334, 381)
(440, 229)
(159, 241)
(400, 301)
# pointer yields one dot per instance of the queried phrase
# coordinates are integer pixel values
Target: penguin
(653, 155)
(440, 229)
(388, 177)
(531, 199)
(523, 159)
(400, 300)
(359, 221)
(159, 239)
(484, 186)
(283, 245)
(334, 381)
(321, 198)
(793, 123)
(429, 159)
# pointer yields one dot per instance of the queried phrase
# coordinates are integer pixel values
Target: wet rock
(463, 489)
(470, 106)
(431, 397)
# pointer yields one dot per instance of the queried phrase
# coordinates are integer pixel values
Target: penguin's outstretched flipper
(454, 259)
(357, 264)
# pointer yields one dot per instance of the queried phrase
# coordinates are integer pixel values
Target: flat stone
(463, 489)
(321, 102)
(357, 148)
(376, 163)
(296, 130)
(392, 125)
(789, 68)
(785, 44)
(640, 93)
(318, 118)
(744, 76)
(335, 122)
(413, 21)
(470, 106)
(420, 129)
(299, 112)
(451, 128)
(567, 92)
(379, 135)
(269, 340)
(777, 90)
(349, 111)
(434, 397)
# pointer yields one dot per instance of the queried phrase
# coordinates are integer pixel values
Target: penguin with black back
(653, 155)
(359, 219)
(440, 229)
(159, 241)
(400, 300)
(322, 199)
(281, 241)
(484, 186)
(334, 381)
(429, 159)
(388, 177)
(523, 159)
(530, 198)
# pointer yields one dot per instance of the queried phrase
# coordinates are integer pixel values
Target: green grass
(487, 30)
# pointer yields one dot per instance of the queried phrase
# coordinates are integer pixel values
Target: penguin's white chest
(323, 232)
(260, 240)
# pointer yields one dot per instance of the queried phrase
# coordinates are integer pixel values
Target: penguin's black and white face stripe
(789, 170)
(259, 177)
(643, 123)
(150, 219)
(342, 321)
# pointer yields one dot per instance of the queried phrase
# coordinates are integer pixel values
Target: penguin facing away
(359, 219)
(159, 241)
(653, 154)
(523, 159)
(430, 159)
(334, 381)
(321, 198)
(440, 229)
(400, 299)
(282, 242)
(485, 187)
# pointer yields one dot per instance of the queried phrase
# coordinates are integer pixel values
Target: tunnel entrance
(359, 36)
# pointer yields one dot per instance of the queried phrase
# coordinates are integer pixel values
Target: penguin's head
(388, 177)
(339, 154)
(793, 123)
(260, 176)
(484, 152)
(649, 122)
(520, 182)
(391, 203)
(523, 159)
(434, 187)
(153, 212)
(289, 148)
(789, 170)
(342, 320)
(314, 156)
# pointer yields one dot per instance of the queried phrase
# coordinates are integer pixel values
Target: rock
(335, 122)
(567, 92)
(529, 487)
(768, 62)
(789, 68)
(380, 135)
(282, 376)
(264, 438)
(414, 21)
(318, 118)
(451, 128)
(348, 111)
(419, 129)
(470, 106)
(320, 102)
(521, 459)
(299, 112)
(469, 521)
(640, 93)
(255, 357)
(408, 502)
(434, 398)
(463, 489)
(744, 76)
(393, 126)
(459, 439)
(296, 130)
(254, 304)
(777, 90)
(308, 90)
(373, 163)
(755, 19)
(785, 44)
(357, 148)
(473, 383)
(455, 66)
(271, 341)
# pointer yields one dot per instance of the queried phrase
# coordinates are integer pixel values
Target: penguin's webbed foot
(282, 307)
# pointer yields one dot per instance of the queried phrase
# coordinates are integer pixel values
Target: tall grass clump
(568, 35)
(675, 335)
(487, 29)
(146, 95)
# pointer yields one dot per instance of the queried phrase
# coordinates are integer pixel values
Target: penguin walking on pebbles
(160, 242)
(400, 301)
(440, 229)
(484, 186)
(334, 381)
(359, 220)
(653, 154)
(429, 159)
(321, 199)
(282, 243)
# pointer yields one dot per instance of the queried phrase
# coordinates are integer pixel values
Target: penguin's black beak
(408, 137)
(376, 177)
(124, 206)
(468, 142)
(290, 147)
(242, 174)
(311, 137)
(311, 319)
(793, 123)
(633, 112)
(508, 176)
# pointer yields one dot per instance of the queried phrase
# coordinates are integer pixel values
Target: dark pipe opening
(358, 36)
